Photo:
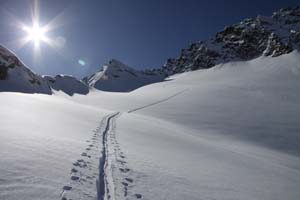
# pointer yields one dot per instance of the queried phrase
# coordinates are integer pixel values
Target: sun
(35, 33)
(38, 33)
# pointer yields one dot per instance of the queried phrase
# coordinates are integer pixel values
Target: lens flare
(81, 62)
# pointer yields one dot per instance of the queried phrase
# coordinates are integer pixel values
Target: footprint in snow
(122, 162)
(138, 196)
(129, 180)
(74, 178)
(80, 163)
(84, 154)
(124, 170)
(74, 170)
(124, 183)
(66, 187)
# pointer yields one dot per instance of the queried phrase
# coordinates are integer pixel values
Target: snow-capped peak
(118, 77)
(15, 76)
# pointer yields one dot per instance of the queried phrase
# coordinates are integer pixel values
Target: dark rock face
(3, 72)
(268, 36)
(7, 61)
(67, 84)
(16, 77)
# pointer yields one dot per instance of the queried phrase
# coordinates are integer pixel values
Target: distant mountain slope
(16, 77)
(115, 77)
(251, 38)
(68, 84)
(118, 77)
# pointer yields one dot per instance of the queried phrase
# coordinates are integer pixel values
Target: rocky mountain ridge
(253, 37)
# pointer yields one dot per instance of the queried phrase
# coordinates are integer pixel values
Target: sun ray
(37, 33)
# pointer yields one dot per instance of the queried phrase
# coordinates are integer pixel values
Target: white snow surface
(229, 132)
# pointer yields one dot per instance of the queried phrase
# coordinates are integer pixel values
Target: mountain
(16, 77)
(118, 77)
(251, 38)
(68, 84)
(115, 77)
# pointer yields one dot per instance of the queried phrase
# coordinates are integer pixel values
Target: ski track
(157, 102)
(101, 172)
(118, 170)
(104, 186)
(84, 172)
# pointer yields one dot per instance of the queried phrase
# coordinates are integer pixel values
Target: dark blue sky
(140, 33)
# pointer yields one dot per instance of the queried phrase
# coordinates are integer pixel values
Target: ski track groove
(85, 173)
(157, 102)
(101, 173)
(96, 168)
(102, 183)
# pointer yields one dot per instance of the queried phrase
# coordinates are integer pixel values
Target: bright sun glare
(35, 33)
(38, 33)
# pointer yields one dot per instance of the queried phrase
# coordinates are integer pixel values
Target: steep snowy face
(68, 84)
(253, 37)
(118, 77)
(16, 77)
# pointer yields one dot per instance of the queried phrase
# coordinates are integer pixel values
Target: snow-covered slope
(249, 39)
(40, 137)
(117, 77)
(229, 132)
(68, 84)
(16, 77)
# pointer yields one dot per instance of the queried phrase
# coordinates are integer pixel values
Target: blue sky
(140, 33)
